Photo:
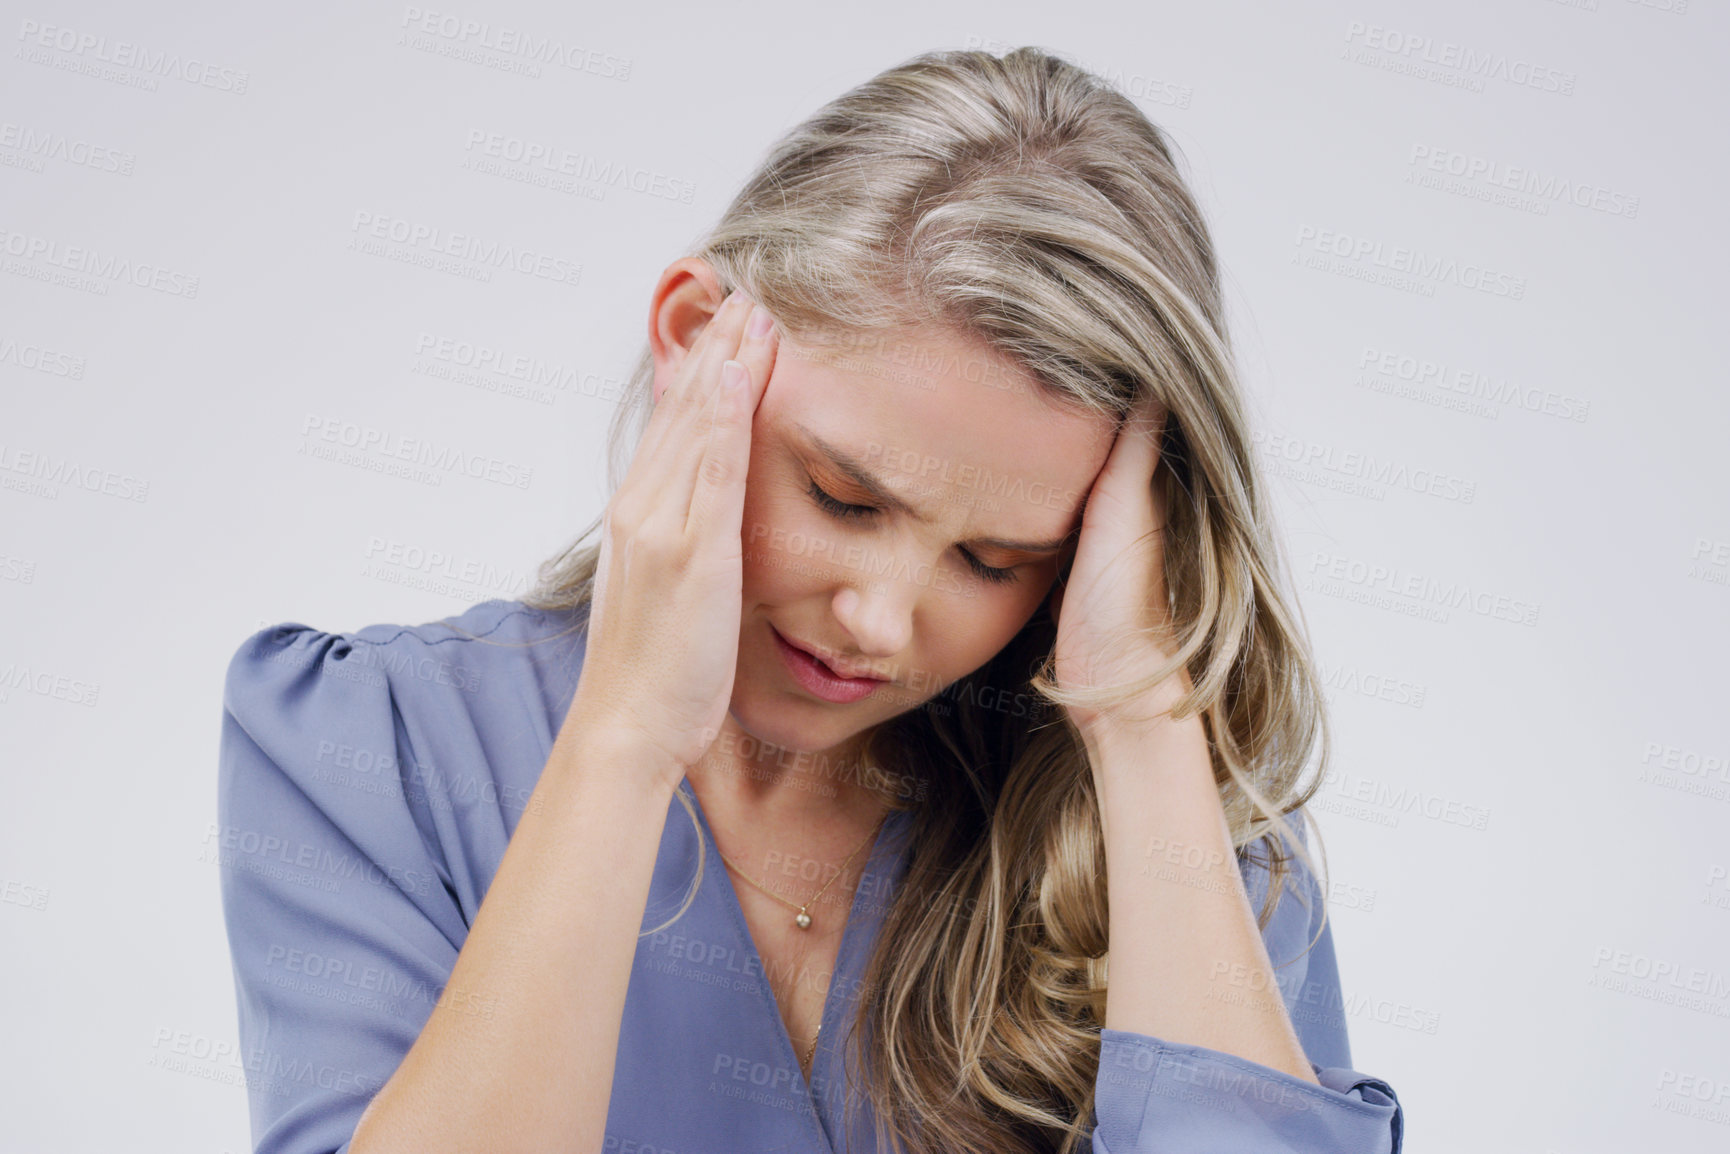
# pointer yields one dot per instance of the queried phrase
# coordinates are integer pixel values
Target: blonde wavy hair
(1024, 201)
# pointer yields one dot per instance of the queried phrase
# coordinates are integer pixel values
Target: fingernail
(760, 323)
(733, 375)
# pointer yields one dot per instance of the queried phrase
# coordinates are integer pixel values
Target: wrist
(1143, 739)
(623, 760)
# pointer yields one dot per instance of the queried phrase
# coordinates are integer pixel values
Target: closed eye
(842, 511)
(840, 508)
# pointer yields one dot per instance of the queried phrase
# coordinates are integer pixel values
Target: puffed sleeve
(341, 923)
(1157, 1095)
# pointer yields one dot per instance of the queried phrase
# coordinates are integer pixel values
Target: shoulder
(466, 635)
(449, 638)
(298, 690)
(410, 743)
(459, 652)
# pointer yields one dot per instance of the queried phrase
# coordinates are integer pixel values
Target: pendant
(802, 920)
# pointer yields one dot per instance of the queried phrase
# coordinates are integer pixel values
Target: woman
(939, 590)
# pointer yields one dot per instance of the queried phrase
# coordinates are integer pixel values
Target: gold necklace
(803, 918)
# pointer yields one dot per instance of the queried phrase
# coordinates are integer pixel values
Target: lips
(862, 675)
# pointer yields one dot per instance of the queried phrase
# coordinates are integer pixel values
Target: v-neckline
(742, 929)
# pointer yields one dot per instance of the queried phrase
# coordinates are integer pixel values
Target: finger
(685, 397)
(1124, 522)
(1121, 492)
(718, 497)
(670, 468)
(705, 453)
(1156, 486)
(720, 470)
(699, 365)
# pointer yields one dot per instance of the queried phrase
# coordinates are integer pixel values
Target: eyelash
(842, 511)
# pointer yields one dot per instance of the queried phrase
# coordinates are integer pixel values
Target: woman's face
(921, 595)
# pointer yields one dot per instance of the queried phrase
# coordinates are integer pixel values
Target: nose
(877, 613)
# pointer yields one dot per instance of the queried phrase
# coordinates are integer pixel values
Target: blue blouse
(368, 785)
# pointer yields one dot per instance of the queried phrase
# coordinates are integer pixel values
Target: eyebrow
(866, 480)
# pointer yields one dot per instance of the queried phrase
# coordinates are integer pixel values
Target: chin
(785, 733)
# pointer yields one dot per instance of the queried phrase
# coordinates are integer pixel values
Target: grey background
(1528, 818)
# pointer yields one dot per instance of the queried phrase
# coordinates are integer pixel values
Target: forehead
(948, 424)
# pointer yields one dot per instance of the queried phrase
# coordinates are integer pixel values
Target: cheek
(1000, 616)
(1041, 580)
(975, 629)
(782, 540)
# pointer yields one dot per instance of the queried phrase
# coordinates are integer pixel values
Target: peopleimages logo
(387, 447)
(1411, 262)
(1305, 458)
(45, 144)
(125, 54)
(1658, 971)
(105, 267)
(45, 683)
(462, 32)
(1478, 64)
(559, 161)
(1545, 186)
(499, 370)
(1399, 798)
(38, 359)
(46, 473)
(1470, 383)
(371, 231)
(1330, 573)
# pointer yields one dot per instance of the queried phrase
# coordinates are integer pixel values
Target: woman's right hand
(663, 632)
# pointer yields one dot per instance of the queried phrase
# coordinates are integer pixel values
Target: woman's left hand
(1113, 620)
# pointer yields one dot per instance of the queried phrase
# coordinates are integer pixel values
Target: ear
(685, 300)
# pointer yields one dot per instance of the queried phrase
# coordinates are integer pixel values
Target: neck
(742, 780)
